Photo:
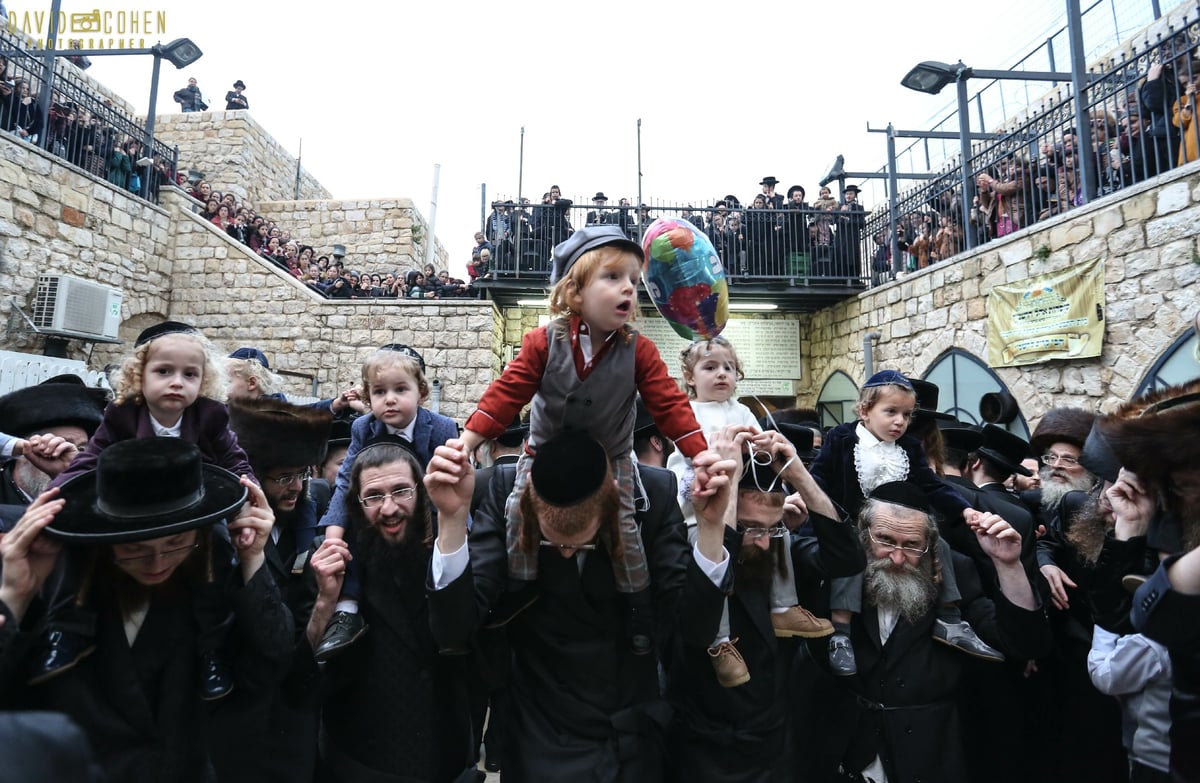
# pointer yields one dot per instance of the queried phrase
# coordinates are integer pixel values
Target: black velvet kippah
(902, 493)
(568, 468)
(166, 327)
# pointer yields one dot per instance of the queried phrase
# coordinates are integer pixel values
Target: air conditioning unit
(74, 307)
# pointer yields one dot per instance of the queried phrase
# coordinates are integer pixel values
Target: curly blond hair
(566, 298)
(129, 378)
(268, 382)
(689, 356)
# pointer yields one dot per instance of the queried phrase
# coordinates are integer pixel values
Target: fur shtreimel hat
(52, 403)
(143, 489)
(1150, 436)
(1068, 425)
(279, 434)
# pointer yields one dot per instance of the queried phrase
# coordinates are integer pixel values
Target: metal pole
(640, 203)
(148, 152)
(48, 77)
(1084, 157)
(430, 234)
(299, 157)
(893, 200)
(483, 207)
(964, 151)
(521, 207)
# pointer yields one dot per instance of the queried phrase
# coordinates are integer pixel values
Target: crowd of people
(632, 583)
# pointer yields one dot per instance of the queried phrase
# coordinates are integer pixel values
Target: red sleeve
(665, 401)
(515, 387)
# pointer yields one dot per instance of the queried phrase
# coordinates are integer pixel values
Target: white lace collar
(876, 461)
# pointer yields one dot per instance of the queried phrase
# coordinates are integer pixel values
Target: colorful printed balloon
(685, 278)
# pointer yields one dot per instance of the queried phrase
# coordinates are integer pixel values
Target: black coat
(902, 703)
(140, 706)
(584, 708)
(739, 734)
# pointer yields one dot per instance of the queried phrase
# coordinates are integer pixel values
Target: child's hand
(50, 454)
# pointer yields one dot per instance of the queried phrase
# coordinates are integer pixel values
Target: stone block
(1172, 197)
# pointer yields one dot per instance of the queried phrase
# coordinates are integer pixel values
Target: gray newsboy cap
(585, 239)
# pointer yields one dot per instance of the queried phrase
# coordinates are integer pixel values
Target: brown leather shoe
(728, 664)
(798, 621)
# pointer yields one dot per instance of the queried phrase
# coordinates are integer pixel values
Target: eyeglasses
(568, 547)
(758, 532)
(287, 478)
(170, 554)
(1050, 458)
(888, 545)
(372, 501)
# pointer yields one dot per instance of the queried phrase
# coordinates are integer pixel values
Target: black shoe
(343, 631)
(216, 677)
(491, 766)
(841, 656)
(961, 636)
(64, 650)
(511, 604)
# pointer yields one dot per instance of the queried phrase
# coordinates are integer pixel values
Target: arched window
(837, 400)
(1178, 364)
(962, 381)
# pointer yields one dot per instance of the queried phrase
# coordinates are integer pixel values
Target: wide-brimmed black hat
(239, 83)
(514, 435)
(852, 189)
(960, 437)
(274, 433)
(927, 400)
(339, 433)
(62, 400)
(769, 181)
(1004, 448)
(600, 196)
(1097, 456)
(142, 489)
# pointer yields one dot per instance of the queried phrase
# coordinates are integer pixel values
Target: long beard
(755, 567)
(908, 589)
(1087, 529)
(1054, 488)
(408, 558)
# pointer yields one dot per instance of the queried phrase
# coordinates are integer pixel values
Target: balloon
(685, 278)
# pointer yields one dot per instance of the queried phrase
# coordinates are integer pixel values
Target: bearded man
(395, 710)
(898, 719)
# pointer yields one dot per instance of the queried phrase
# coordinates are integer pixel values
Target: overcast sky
(727, 92)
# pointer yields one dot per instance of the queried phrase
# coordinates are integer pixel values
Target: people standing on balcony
(760, 234)
(499, 231)
(851, 222)
(1183, 117)
(189, 98)
(600, 215)
(234, 99)
(1012, 194)
(26, 120)
(820, 231)
(120, 166)
(1157, 96)
(1128, 157)
(625, 217)
(947, 242)
(770, 197)
(795, 221)
(550, 220)
(732, 242)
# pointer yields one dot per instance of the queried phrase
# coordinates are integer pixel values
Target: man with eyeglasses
(742, 733)
(394, 708)
(277, 740)
(898, 718)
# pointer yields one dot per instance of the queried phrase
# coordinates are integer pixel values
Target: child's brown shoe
(798, 621)
(728, 664)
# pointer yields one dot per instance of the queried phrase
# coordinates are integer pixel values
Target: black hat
(1066, 425)
(239, 83)
(585, 239)
(1097, 456)
(642, 420)
(275, 433)
(142, 489)
(161, 329)
(959, 437)
(600, 196)
(251, 354)
(927, 400)
(902, 493)
(801, 436)
(339, 433)
(852, 189)
(794, 188)
(1005, 449)
(52, 403)
(515, 434)
(568, 469)
(407, 351)
(998, 407)
(769, 181)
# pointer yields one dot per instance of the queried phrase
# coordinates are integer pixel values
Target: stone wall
(55, 218)
(1147, 236)
(380, 235)
(236, 155)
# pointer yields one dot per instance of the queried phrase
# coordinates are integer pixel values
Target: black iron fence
(81, 125)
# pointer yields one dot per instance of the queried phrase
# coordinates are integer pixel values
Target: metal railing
(82, 127)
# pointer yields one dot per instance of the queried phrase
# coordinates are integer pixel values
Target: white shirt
(877, 461)
(166, 432)
(404, 432)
